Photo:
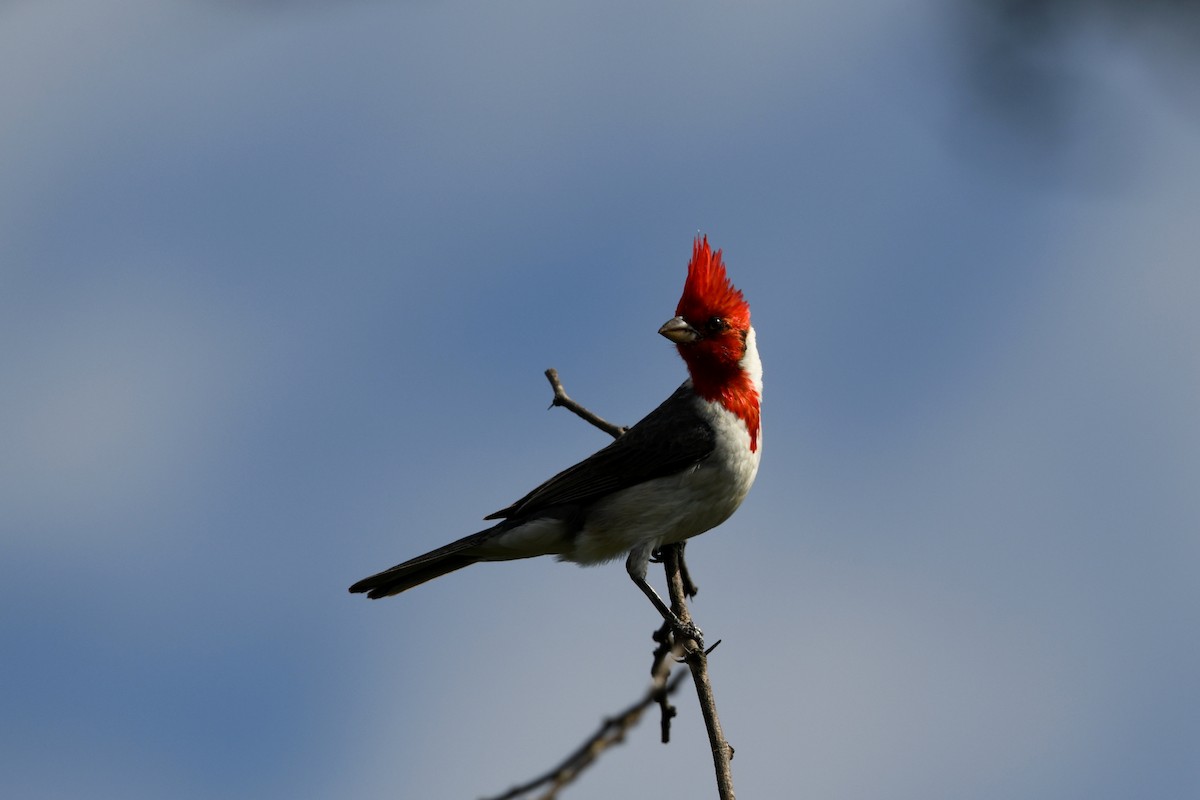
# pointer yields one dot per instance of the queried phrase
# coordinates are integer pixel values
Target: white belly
(673, 508)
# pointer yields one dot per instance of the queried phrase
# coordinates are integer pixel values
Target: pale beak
(678, 331)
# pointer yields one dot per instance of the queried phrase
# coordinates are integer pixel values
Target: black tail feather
(416, 571)
(403, 577)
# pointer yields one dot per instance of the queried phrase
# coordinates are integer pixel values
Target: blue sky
(279, 284)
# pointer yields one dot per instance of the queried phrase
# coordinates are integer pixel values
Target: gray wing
(671, 438)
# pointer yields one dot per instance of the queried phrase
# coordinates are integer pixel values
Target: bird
(682, 470)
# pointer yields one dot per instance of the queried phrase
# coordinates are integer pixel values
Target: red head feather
(708, 292)
(719, 313)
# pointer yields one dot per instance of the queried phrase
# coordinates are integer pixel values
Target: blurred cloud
(1056, 75)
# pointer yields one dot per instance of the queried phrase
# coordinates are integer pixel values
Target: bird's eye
(715, 325)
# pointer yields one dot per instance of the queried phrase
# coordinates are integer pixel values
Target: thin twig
(561, 399)
(612, 731)
(690, 589)
(697, 661)
(666, 655)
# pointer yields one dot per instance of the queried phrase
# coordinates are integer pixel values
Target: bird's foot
(685, 631)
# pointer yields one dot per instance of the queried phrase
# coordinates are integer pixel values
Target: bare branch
(697, 661)
(666, 655)
(612, 731)
(561, 399)
(690, 589)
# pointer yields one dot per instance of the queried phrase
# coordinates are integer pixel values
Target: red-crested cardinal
(682, 470)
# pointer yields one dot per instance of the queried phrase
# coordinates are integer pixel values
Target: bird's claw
(684, 631)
